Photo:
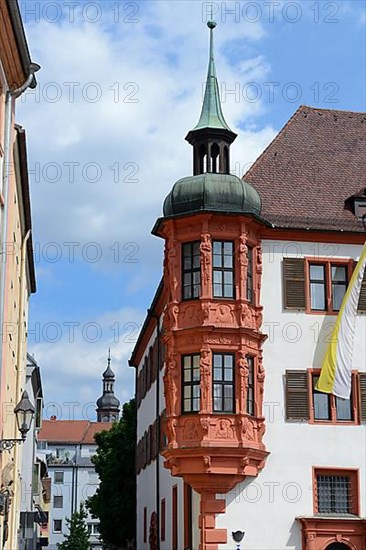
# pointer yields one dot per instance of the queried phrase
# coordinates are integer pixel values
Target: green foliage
(114, 503)
(78, 537)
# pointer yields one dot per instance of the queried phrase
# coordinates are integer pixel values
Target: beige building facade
(17, 274)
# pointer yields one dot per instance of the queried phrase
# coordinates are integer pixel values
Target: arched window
(202, 159)
(215, 157)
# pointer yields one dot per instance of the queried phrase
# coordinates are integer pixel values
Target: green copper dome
(212, 192)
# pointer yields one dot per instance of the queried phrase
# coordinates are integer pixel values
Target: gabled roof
(314, 164)
(71, 431)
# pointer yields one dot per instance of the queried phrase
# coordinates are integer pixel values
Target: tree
(114, 502)
(78, 537)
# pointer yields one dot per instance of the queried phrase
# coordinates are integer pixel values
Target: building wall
(80, 482)
(16, 298)
(283, 490)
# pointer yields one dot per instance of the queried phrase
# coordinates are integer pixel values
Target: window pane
(228, 261)
(187, 375)
(339, 273)
(217, 390)
(229, 374)
(196, 391)
(187, 391)
(317, 296)
(217, 373)
(228, 405)
(217, 248)
(187, 362)
(218, 277)
(217, 360)
(217, 291)
(196, 361)
(338, 291)
(228, 391)
(228, 360)
(196, 404)
(334, 494)
(321, 406)
(344, 409)
(196, 291)
(228, 277)
(228, 249)
(317, 272)
(228, 291)
(187, 262)
(196, 375)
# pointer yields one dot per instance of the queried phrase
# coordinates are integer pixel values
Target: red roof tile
(71, 431)
(94, 428)
(314, 164)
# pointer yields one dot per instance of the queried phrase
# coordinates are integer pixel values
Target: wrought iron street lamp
(24, 413)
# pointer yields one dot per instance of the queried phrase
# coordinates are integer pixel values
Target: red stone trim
(318, 533)
(352, 473)
(211, 537)
(327, 262)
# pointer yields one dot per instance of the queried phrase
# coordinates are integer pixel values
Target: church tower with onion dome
(108, 406)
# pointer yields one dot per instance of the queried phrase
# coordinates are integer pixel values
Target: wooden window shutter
(163, 438)
(294, 283)
(155, 360)
(362, 383)
(297, 395)
(362, 299)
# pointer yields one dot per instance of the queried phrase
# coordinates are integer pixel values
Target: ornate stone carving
(229, 340)
(261, 375)
(261, 429)
(224, 429)
(259, 269)
(206, 308)
(205, 372)
(244, 463)
(205, 424)
(246, 316)
(206, 250)
(243, 251)
(224, 315)
(192, 316)
(247, 428)
(207, 463)
(243, 377)
(191, 430)
(171, 425)
(171, 381)
(170, 270)
(174, 312)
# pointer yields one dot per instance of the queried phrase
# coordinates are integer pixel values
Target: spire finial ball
(211, 24)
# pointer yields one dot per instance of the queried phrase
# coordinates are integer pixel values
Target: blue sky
(120, 86)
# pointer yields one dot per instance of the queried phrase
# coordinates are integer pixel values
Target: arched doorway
(337, 546)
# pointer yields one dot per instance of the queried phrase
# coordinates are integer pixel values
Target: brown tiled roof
(94, 428)
(71, 431)
(314, 164)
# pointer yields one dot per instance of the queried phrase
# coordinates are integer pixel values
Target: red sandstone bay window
(318, 285)
(304, 403)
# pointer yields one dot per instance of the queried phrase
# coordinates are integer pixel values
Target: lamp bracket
(8, 444)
